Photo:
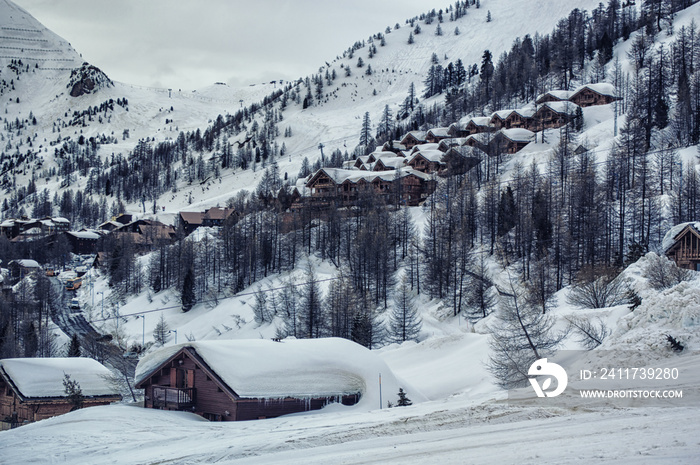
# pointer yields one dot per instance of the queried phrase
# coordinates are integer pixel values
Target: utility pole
(320, 147)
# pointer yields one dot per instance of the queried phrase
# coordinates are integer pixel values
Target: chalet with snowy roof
(426, 161)
(478, 141)
(554, 96)
(389, 163)
(477, 125)
(29, 228)
(601, 93)
(84, 242)
(413, 138)
(252, 379)
(31, 389)
(682, 245)
(498, 119)
(554, 115)
(435, 135)
(337, 187)
(510, 140)
(19, 269)
(215, 216)
(459, 160)
(520, 118)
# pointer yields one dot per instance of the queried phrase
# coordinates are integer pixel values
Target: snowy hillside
(462, 413)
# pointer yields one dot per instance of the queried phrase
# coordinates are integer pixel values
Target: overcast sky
(192, 44)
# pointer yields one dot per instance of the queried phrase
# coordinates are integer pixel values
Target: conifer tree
(403, 401)
(74, 347)
(161, 332)
(188, 296)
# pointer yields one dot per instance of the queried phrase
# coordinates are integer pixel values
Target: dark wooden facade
(587, 97)
(185, 382)
(685, 250)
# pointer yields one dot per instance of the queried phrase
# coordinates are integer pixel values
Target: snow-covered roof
(518, 134)
(392, 162)
(559, 94)
(603, 88)
(43, 377)
(439, 132)
(293, 367)
(526, 112)
(59, 219)
(7, 224)
(428, 146)
(480, 120)
(502, 114)
(670, 236)
(430, 155)
(565, 107)
(26, 263)
(84, 235)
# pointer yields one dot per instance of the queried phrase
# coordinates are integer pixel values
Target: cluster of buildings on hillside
(404, 171)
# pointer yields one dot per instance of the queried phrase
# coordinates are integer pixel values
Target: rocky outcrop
(87, 79)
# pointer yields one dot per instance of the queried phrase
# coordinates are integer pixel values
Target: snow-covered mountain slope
(335, 121)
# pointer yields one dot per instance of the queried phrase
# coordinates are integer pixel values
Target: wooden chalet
(32, 389)
(521, 118)
(413, 138)
(435, 135)
(426, 161)
(459, 160)
(30, 228)
(215, 216)
(684, 248)
(389, 163)
(594, 94)
(83, 242)
(246, 379)
(510, 141)
(498, 119)
(330, 187)
(477, 125)
(554, 115)
(19, 269)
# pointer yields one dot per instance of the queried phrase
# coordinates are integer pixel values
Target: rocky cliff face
(87, 79)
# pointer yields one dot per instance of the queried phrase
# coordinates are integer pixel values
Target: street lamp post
(103, 303)
(143, 331)
(174, 331)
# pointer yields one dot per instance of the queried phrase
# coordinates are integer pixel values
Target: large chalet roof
(430, 155)
(84, 235)
(261, 368)
(518, 134)
(216, 213)
(526, 112)
(41, 378)
(439, 132)
(602, 88)
(192, 217)
(501, 114)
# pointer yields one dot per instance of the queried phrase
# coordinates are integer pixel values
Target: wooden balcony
(173, 398)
